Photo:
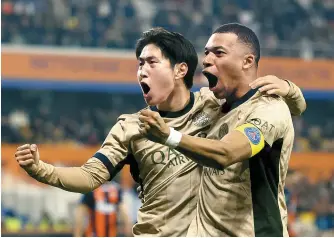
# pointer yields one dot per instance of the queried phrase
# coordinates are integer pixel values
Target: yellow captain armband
(254, 136)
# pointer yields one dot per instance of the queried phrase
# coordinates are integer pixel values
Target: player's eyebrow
(147, 58)
(214, 48)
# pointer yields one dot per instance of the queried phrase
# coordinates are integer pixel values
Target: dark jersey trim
(264, 175)
(228, 106)
(113, 170)
(182, 112)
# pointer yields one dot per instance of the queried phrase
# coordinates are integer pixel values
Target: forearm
(206, 152)
(295, 100)
(74, 179)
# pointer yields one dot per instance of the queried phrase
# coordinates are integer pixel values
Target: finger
(267, 87)
(148, 120)
(24, 157)
(273, 91)
(23, 147)
(156, 115)
(143, 118)
(148, 113)
(33, 147)
(161, 121)
(26, 162)
(259, 82)
(142, 131)
(140, 195)
(144, 112)
(141, 124)
(22, 152)
(147, 127)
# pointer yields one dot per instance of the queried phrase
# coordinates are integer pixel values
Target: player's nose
(207, 61)
(142, 75)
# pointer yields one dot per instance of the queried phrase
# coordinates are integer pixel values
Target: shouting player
(247, 149)
(167, 62)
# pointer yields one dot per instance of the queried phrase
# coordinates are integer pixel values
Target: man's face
(224, 57)
(155, 75)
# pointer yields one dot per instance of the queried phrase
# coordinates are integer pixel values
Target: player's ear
(180, 70)
(249, 61)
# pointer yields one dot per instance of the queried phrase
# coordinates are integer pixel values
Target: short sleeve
(116, 147)
(271, 117)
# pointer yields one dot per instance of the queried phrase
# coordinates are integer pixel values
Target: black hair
(245, 35)
(174, 46)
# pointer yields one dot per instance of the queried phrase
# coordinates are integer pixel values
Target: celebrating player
(170, 181)
(247, 149)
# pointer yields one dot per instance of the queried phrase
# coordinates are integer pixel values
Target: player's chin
(220, 94)
(151, 101)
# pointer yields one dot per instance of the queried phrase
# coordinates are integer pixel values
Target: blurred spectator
(40, 116)
(105, 211)
(295, 28)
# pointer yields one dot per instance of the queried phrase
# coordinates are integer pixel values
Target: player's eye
(220, 53)
(141, 63)
(206, 52)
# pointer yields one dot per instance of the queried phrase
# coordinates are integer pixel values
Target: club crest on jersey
(253, 135)
(201, 119)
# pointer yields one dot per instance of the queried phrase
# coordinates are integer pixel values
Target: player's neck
(242, 88)
(176, 101)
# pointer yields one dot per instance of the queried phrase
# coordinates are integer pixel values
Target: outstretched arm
(104, 165)
(74, 179)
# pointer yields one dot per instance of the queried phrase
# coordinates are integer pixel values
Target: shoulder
(204, 94)
(270, 102)
(271, 108)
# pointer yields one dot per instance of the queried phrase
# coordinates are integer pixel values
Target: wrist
(174, 138)
(34, 169)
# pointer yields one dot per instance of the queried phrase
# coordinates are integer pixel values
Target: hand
(28, 157)
(140, 194)
(271, 84)
(153, 126)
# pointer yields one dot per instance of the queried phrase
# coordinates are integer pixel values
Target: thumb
(34, 151)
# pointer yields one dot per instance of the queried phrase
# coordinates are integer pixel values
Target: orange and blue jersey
(103, 205)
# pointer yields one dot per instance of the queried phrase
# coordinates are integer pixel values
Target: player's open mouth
(213, 80)
(145, 87)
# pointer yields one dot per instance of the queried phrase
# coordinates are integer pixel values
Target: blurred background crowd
(286, 28)
(298, 28)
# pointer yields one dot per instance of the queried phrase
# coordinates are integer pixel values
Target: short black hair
(174, 47)
(245, 35)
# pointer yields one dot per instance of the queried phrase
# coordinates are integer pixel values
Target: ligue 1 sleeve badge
(253, 135)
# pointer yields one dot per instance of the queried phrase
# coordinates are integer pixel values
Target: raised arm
(103, 166)
(74, 179)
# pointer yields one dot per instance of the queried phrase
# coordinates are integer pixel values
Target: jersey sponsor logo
(201, 119)
(253, 135)
(169, 157)
(212, 172)
(262, 124)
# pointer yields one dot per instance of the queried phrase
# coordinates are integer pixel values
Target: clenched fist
(28, 157)
(153, 126)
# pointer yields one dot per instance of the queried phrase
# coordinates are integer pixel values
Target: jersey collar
(185, 110)
(226, 107)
